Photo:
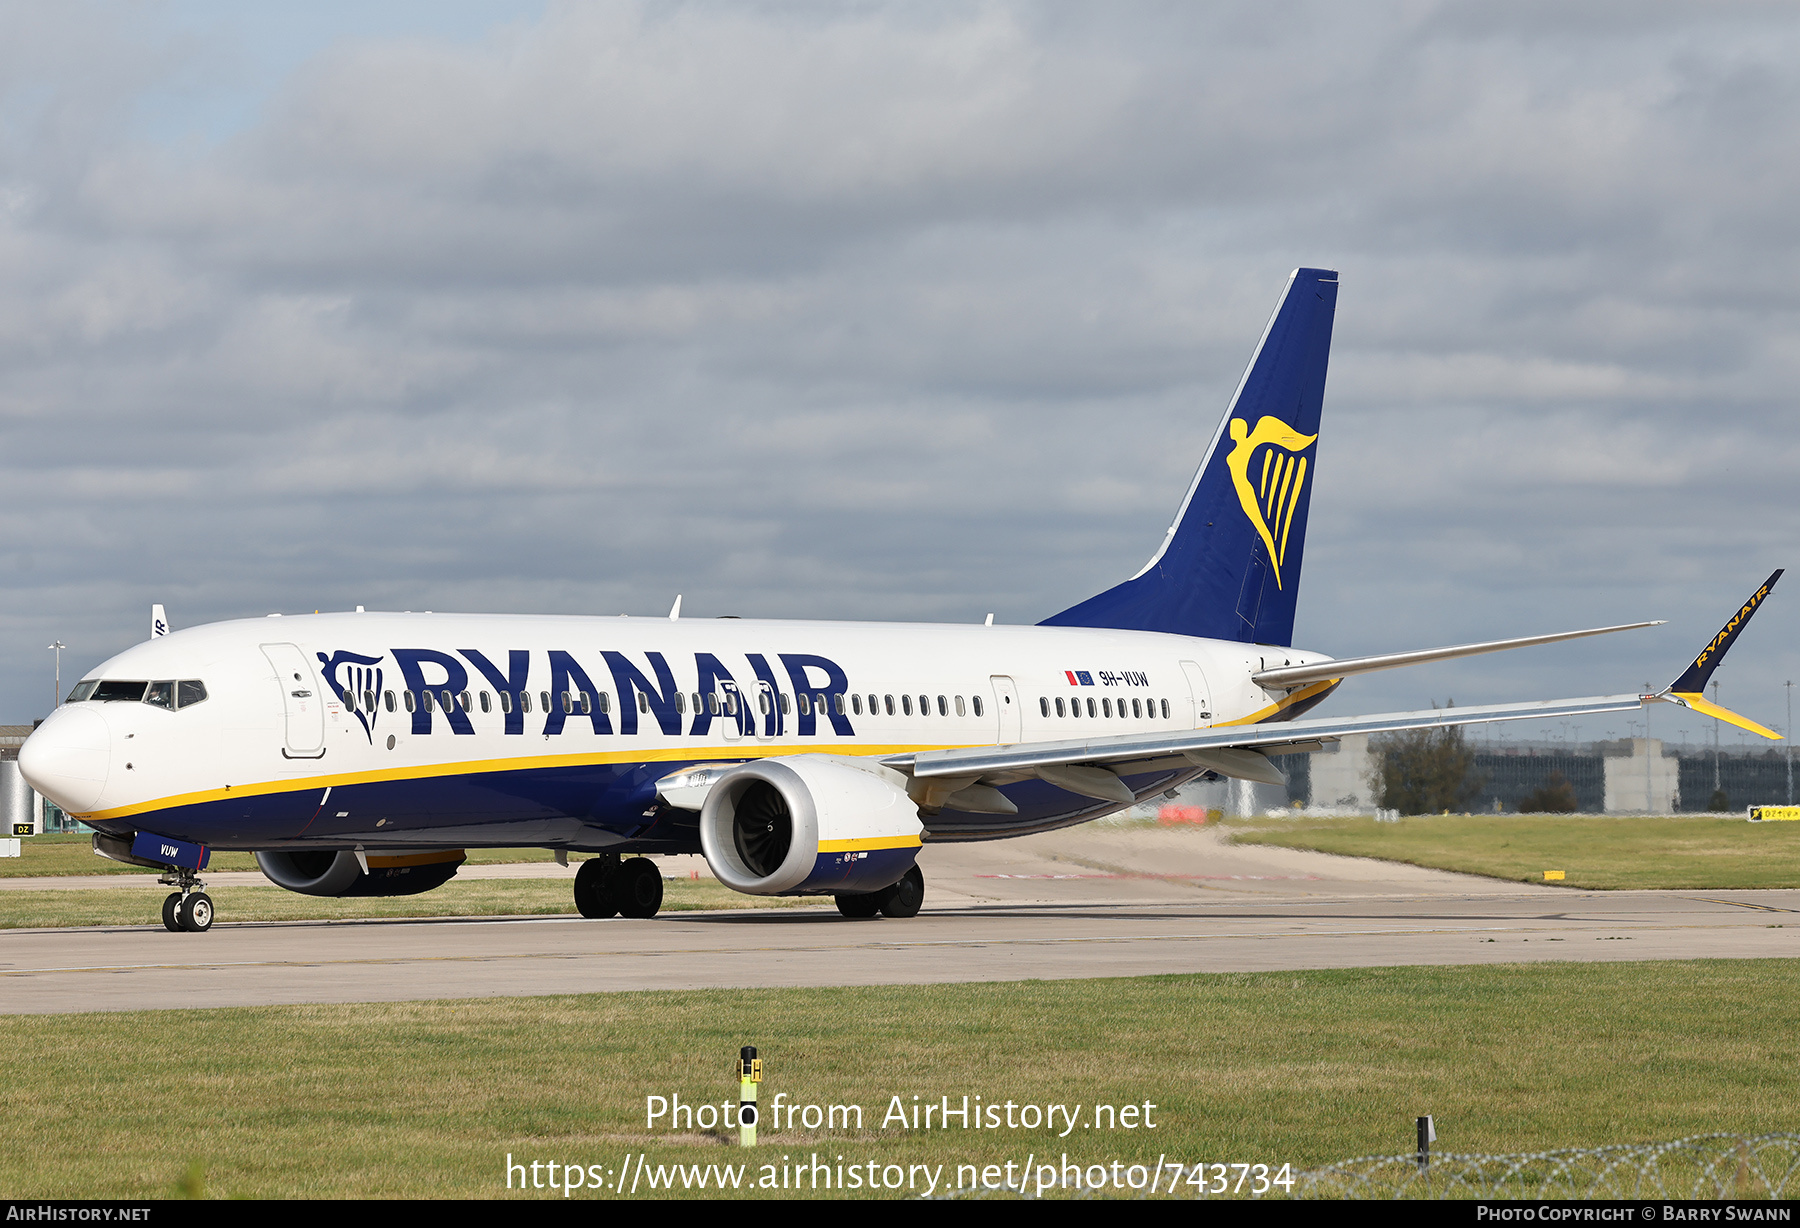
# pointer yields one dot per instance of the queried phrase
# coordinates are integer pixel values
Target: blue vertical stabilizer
(1229, 567)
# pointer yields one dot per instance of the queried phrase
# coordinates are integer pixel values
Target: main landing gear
(900, 901)
(189, 908)
(605, 886)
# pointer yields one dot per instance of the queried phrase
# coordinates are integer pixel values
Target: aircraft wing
(1092, 766)
(1201, 747)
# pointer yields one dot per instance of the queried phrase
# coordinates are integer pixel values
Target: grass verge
(1597, 853)
(427, 1099)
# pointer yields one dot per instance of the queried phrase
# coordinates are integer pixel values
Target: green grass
(475, 898)
(1605, 853)
(66, 853)
(425, 1099)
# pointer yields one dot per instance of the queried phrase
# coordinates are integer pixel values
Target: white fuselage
(413, 729)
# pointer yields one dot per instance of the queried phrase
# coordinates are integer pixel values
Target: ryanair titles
(559, 689)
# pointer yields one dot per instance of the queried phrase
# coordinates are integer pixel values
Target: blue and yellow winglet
(1689, 689)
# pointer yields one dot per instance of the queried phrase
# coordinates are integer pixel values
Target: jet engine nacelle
(810, 825)
(338, 873)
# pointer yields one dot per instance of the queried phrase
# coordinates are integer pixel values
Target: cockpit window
(192, 691)
(161, 695)
(108, 692)
(83, 691)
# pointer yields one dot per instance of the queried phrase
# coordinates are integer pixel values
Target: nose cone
(66, 759)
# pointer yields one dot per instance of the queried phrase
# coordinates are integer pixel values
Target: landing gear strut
(605, 886)
(899, 901)
(188, 909)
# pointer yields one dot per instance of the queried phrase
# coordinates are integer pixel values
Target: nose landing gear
(187, 909)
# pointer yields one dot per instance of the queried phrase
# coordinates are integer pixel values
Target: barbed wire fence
(1699, 1167)
(1702, 1166)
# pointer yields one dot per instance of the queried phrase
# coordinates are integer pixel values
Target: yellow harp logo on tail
(1269, 473)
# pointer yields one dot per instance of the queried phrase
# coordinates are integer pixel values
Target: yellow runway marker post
(749, 1075)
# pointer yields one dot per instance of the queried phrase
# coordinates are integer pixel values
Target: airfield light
(1427, 1136)
(749, 1075)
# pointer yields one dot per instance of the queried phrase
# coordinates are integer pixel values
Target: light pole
(1715, 725)
(1790, 741)
(56, 686)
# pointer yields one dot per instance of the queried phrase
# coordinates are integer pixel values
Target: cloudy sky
(912, 312)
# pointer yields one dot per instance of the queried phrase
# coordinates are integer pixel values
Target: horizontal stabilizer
(1321, 671)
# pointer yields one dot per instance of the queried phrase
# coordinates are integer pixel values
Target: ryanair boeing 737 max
(361, 754)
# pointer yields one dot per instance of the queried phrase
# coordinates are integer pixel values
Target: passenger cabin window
(427, 702)
(407, 698)
(959, 706)
(978, 705)
(786, 708)
(387, 700)
(1043, 706)
(524, 701)
(856, 705)
(906, 705)
(889, 704)
(487, 704)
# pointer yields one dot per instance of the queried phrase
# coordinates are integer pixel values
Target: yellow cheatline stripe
(1263, 714)
(873, 842)
(476, 766)
(1694, 701)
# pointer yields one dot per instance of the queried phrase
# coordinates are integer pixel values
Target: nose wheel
(188, 909)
